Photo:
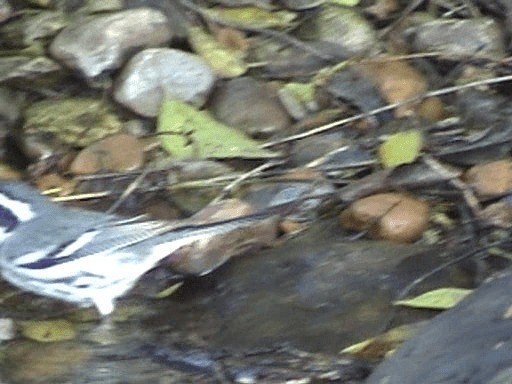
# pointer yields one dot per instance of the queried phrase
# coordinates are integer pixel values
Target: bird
(85, 257)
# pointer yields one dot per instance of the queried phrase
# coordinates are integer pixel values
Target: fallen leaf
(400, 148)
(442, 298)
(226, 62)
(47, 331)
(252, 16)
(189, 133)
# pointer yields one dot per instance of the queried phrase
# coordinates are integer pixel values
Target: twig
(235, 183)
(128, 191)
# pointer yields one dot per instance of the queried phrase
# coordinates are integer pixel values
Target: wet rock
(476, 36)
(251, 106)
(118, 153)
(28, 362)
(389, 216)
(154, 73)
(468, 344)
(337, 293)
(101, 43)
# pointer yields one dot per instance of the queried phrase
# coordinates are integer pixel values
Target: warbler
(84, 257)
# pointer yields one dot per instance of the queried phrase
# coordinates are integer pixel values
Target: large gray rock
(101, 43)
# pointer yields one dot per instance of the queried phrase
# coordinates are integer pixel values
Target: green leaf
(442, 298)
(225, 62)
(400, 148)
(189, 133)
(47, 331)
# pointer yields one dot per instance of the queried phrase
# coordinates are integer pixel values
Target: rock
(250, 105)
(468, 344)
(465, 37)
(343, 29)
(337, 293)
(389, 216)
(118, 153)
(154, 73)
(101, 43)
(490, 179)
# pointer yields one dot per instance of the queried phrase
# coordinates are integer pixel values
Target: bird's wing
(114, 235)
(105, 238)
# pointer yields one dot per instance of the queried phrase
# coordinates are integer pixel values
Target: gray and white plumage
(84, 257)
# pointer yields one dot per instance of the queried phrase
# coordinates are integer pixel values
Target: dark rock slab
(316, 292)
(470, 344)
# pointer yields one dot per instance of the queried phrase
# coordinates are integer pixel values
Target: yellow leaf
(347, 3)
(379, 346)
(168, 291)
(47, 331)
(252, 16)
(400, 148)
(225, 62)
(442, 298)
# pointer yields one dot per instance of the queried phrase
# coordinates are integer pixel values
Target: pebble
(153, 73)
(490, 179)
(388, 216)
(117, 153)
(251, 106)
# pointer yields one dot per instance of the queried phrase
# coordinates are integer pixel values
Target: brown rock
(388, 216)
(491, 179)
(121, 152)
